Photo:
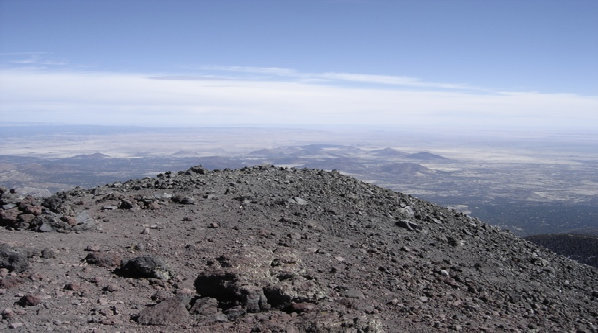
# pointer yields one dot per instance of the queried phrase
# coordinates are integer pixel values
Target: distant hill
(582, 248)
(406, 169)
(426, 156)
(389, 152)
(94, 156)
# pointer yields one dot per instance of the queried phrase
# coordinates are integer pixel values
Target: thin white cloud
(278, 71)
(37, 59)
(333, 77)
(2, 54)
(138, 99)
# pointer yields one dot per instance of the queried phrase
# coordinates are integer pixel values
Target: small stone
(70, 220)
(10, 282)
(302, 307)
(198, 169)
(126, 204)
(15, 325)
(453, 241)
(73, 286)
(213, 225)
(235, 312)
(92, 247)
(26, 218)
(103, 259)
(353, 293)
(45, 227)
(29, 300)
(96, 280)
(153, 205)
(409, 225)
(8, 313)
(33, 209)
(48, 253)
(185, 200)
(300, 201)
(111, 287)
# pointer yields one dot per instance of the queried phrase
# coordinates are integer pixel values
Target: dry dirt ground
(267, 249)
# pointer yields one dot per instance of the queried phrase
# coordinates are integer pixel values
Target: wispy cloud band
(337, 78)
(210, 99)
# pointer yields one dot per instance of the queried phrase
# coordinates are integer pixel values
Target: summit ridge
(271, 249)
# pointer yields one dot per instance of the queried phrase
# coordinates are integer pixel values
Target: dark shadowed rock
(409, 225)
(29, 300)
(144, 267)
(48, 253)
(184, 200)
(126, 204)
(198, 169)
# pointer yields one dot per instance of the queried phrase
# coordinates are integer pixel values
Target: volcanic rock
(168, 312)
(14, 259)
(103, 259)
(144, 267)
(29, 300)
(269, 249)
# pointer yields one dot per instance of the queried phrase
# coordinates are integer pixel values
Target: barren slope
(266, 249)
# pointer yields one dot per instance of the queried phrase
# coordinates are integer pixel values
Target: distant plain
(530, 183)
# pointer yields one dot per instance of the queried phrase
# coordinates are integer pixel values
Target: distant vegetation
(582, 248)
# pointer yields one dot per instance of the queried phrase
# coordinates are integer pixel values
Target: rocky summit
(269, 249)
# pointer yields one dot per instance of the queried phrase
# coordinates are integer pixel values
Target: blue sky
(500, 63)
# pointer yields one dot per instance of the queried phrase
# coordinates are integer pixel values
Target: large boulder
(13, 259)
